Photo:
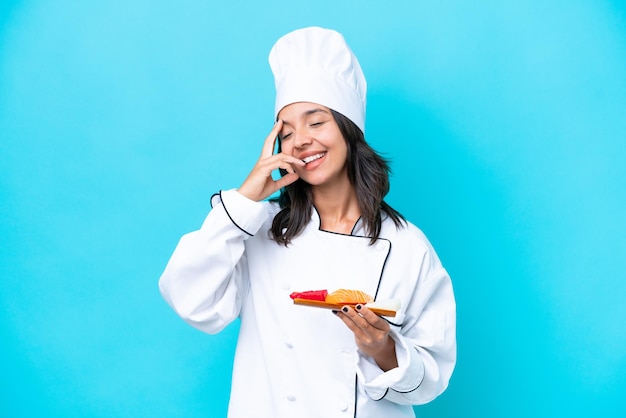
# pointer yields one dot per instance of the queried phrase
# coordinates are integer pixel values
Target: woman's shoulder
(410, 241)
(406, 231)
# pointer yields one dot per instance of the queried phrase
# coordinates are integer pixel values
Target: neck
(338, 208)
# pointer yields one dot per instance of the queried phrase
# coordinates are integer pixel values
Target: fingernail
(345, 309)
(335, 311)
(358, 307)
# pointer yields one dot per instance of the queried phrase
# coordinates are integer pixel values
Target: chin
(312, 181)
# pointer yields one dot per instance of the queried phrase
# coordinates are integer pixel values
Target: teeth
(313, 157)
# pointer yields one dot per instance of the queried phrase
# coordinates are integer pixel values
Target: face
(311, 134)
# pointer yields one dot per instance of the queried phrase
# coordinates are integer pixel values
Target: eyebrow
(309, 113)
(312, 111)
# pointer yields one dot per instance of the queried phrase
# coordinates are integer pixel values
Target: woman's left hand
(371, 334)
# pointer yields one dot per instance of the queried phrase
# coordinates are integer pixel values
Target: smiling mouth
(313, 157)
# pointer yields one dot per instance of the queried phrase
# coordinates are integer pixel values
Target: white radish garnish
(386, 304)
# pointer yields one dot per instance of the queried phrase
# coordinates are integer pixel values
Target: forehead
(300, 110)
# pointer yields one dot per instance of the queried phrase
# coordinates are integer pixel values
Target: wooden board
(320, 304)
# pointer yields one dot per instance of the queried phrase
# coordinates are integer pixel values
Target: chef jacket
(299, 361)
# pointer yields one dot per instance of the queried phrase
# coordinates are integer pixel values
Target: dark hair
(367, 171)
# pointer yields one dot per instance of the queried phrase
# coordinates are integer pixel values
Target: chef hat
(316, 65)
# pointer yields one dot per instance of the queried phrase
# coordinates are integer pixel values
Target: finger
(343, 315)
(270, 141)
(286, 180)
(368, 338)
(357, 319)
(367, 321)
(289, 159)
(267, 165)
(373, 319)
(288, 163)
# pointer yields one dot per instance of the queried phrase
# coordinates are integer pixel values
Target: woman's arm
(423, 332)
(206, 277)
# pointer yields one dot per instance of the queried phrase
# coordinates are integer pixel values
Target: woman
(328, 229)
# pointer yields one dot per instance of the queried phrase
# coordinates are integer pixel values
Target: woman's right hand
(259, 184)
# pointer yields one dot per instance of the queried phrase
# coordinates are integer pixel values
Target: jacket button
(343, 406)
(291, 398)
(288, 344)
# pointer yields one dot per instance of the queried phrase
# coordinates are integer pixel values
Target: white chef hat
(316, 65)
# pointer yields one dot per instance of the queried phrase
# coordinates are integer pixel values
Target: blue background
(506, 125)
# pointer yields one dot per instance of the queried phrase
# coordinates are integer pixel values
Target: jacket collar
(357, 230)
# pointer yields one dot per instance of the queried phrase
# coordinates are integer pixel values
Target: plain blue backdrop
(505, 122)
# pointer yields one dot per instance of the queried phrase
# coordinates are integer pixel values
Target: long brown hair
(367, 171)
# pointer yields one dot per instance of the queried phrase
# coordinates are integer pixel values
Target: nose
(301, 139)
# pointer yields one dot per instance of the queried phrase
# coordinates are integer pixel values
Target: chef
(329, 228)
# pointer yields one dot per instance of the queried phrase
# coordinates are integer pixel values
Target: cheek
(286, 148)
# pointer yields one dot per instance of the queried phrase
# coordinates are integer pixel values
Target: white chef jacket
(299, 361)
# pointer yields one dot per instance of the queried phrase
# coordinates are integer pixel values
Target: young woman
(328, 229)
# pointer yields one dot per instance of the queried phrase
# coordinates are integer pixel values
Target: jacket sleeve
(206, 278)
(425, 344)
